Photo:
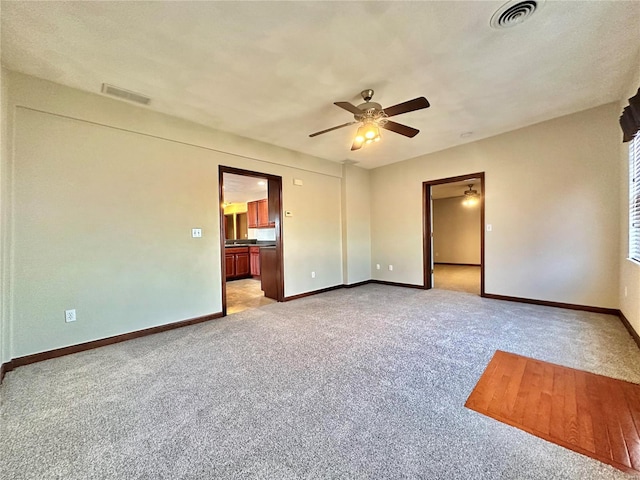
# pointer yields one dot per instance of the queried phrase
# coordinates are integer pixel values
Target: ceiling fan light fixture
(360, 135)
(367, 133)
(372, 117)
(372, 131)
(471, 197)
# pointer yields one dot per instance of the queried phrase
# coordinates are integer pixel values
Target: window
(634, 198)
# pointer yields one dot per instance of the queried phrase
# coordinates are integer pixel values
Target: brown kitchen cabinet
(252, 214)
(254, 261)
(236, 261)
(269, 277)
(258, 214)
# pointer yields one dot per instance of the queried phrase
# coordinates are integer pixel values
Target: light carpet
(368, 382)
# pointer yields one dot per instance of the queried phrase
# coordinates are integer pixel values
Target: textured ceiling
(453, 189)
(272, 70)
(241, 189)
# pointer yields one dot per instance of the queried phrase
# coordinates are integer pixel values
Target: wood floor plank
(627, 425)
(544, 410)
(570, 408)
(530, 419)
(585, 423)
(614, 430)
(591, 414)
(520, 405)
(632, 398)
(556, 420)
(511, 393)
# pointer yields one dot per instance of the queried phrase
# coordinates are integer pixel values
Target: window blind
(634, 198)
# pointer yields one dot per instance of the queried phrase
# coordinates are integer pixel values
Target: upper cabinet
(252, 214)
(258, 214)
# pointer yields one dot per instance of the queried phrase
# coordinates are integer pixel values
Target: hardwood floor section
(591, 414)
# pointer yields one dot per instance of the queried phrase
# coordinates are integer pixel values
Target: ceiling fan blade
(408, 106)
(332, 128)
(349, 107)
(356, 145)
(401, 129)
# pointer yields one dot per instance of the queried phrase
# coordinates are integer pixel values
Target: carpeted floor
(368, 382)
(461, 278)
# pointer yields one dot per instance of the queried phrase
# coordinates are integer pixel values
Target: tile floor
(244, 294)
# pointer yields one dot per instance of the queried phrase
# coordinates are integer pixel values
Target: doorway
(251, 239)
(453, 233)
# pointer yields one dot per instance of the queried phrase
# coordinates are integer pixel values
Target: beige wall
(105, 196)
(5, 180)
(456, 231)
(551, 197)
(629, 270)
(356, 224)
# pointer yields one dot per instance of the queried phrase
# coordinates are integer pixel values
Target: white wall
(262, 233)
(456, 231)
(551, 196)
(105, 196)
(356, 224)
(629, 270)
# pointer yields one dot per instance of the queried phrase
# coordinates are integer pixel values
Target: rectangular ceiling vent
(125, 94)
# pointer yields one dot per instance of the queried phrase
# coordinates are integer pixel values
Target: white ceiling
(241, 188)
(272, 70)
(453, 189)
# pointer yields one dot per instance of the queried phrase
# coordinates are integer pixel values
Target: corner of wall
(356, 223)
(5, 215)
(629, 271)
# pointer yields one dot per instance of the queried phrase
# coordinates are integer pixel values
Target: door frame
(427, 230)
(275, 206)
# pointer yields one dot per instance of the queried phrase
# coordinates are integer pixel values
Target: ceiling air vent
(514, 13)
(125, 94)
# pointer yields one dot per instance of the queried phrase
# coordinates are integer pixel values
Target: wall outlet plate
(70, 315)
(196, 232)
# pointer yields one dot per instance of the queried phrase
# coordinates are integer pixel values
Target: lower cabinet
(254, 261)
(236, 261)
(270, 277)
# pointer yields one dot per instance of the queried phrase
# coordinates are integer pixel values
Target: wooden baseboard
(569, 306)
(629, 328)
(313, 292)
(4, 368)
(357, 284)
(458, 264)
(59, 352)
(396, 284)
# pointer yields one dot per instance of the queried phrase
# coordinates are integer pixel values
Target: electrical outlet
(313, 274)
(70, 315)
(390, 268)
(377, 266)
(196, 232)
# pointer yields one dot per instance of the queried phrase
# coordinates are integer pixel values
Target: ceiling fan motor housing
(371, 112)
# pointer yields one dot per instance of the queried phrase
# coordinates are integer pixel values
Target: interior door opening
(251, 239)
(453, 233)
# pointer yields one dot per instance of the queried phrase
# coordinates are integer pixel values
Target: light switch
(297, 181)
(288, 213)
(489, 227)
(196, 232)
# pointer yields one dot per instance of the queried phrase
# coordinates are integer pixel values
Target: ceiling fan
(373, 117)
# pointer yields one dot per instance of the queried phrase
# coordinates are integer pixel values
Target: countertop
(261, 245)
